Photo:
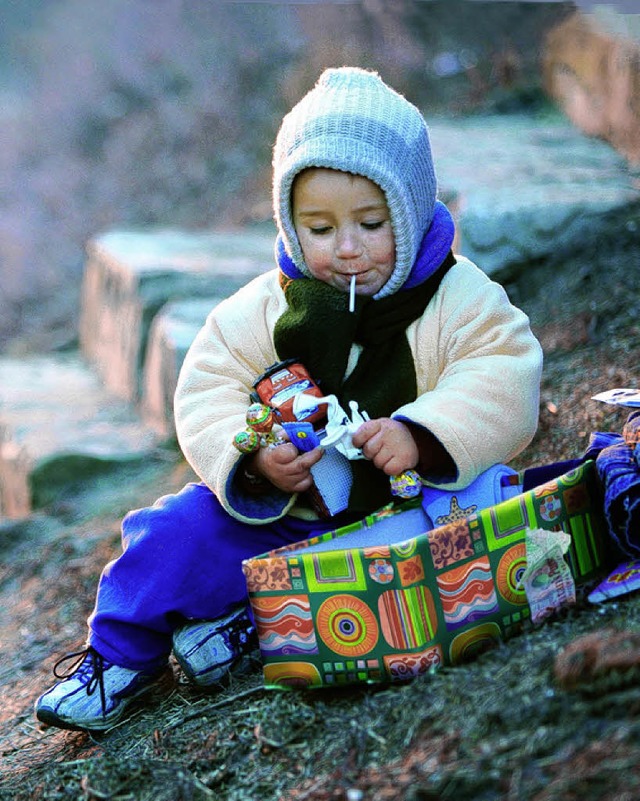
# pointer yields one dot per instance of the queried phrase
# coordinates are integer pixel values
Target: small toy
(339, 428)
(339, 434)
(280, 385)
(285, 394)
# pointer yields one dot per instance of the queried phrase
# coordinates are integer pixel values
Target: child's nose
(348, 245)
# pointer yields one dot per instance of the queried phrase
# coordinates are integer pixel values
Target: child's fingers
(282, 454)
(365, 433)
(308, 459)
(388, 444)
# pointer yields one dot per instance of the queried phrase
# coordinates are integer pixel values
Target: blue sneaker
(94, 694)
(209, 651)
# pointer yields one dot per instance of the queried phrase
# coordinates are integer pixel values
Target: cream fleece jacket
(478, 368)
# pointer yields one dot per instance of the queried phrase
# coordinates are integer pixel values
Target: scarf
(318, 330)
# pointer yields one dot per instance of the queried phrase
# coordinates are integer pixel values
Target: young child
(447, 369)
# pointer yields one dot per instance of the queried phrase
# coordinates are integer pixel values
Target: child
(447, 369)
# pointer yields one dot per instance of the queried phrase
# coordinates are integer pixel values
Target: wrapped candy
(261, 431)
(260, 418)
(247, 440)
(406, 485)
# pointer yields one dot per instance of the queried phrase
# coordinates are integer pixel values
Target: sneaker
(94, 694)
(209, 651)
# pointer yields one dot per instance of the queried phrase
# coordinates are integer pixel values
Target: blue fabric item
(535, 476)
(489, 488)
(303, 435)
(434, 248)
(619, 474)
(597, 441)
(181, 559)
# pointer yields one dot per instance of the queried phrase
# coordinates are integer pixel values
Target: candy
(247, 441)
(260, 418)
(406, 485)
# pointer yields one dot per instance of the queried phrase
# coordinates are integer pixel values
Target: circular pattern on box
(406, 548)
(347, 625)
(292, 674)
(470, 644)
(550, 507)
(512, 565)
(381, 571)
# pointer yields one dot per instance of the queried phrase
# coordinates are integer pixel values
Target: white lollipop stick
(352, 294)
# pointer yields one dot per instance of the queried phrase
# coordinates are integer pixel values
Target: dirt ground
(498, 728)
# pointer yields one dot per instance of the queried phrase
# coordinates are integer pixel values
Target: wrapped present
(387, 599)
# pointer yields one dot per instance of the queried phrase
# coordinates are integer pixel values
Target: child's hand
(388, 444)
(285, 467)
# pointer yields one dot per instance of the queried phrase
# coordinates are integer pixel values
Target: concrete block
(591, 66)
(530, 188)
(171, 334)
(130, 275)
(58, 427)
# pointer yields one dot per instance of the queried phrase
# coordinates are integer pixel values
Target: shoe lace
(86, 664)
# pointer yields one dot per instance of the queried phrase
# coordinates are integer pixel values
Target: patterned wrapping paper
(383, 600)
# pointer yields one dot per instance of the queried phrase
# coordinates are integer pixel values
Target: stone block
(130, 275)
(59, 427)
(530, 188)
(591, 67)
(171, 334)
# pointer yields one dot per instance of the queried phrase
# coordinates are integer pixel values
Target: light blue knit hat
(352, 121)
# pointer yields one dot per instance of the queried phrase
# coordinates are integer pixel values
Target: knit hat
(353, 122)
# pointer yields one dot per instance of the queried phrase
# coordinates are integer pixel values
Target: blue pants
(181, 559)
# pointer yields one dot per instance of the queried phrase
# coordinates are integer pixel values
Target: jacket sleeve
(478, 367)
(227, 355)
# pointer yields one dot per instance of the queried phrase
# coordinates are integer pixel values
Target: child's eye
(374, 225)
(318, 230)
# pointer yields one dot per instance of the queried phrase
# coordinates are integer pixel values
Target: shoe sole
(160, 686)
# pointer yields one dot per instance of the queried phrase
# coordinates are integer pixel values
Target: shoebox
(387, 599)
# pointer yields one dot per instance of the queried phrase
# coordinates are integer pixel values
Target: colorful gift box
(386, 600)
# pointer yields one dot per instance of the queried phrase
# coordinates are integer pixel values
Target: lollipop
(247, 441)
(406, 485)
(260, 418)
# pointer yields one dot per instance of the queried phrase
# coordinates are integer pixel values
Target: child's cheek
(318, 258)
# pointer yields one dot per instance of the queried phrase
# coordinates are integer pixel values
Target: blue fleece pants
(181, 559)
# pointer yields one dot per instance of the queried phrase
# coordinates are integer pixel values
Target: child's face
(344, 228)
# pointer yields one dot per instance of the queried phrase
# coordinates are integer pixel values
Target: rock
(172, 331)
(59, 427)
(130, 275)
(591, 66)
(529, 188)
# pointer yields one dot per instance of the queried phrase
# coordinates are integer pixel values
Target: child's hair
(353, 122)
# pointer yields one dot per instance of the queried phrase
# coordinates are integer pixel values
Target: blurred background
(138, 113)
